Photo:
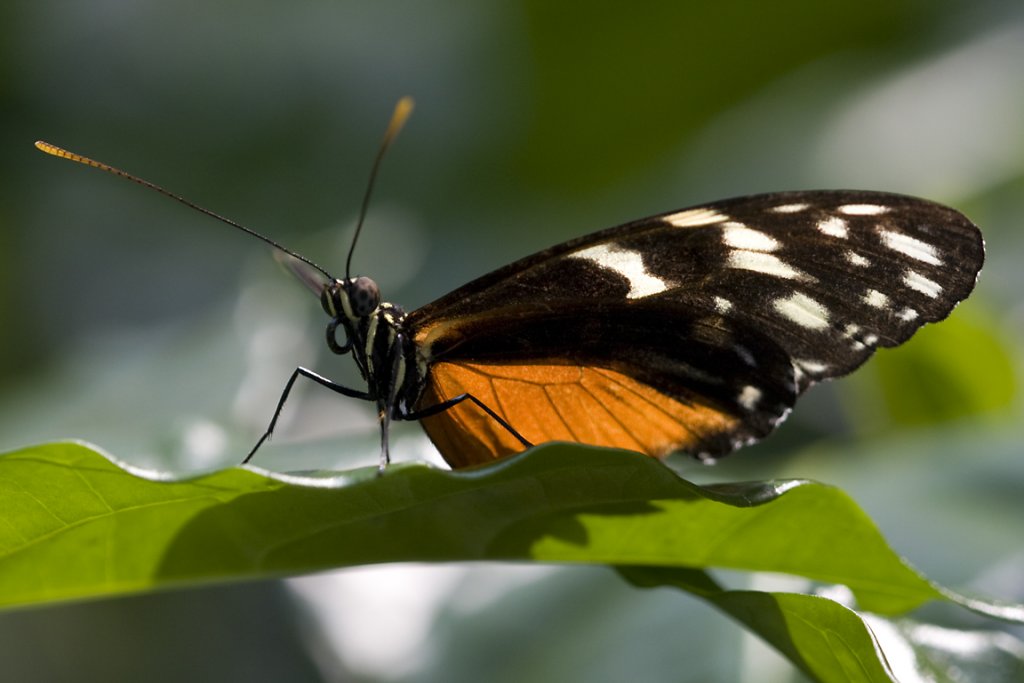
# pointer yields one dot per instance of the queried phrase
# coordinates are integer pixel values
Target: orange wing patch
(557, 402)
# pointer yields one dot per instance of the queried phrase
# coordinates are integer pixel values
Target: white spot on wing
(760, 262)
(722, 305)
(791, 208)
(803, 310)
(808, 368)
(749, 397)
(745, 355)
(739, 236)
(876, 299)
(696, 373)
(627, 263)
(863, 209)
(920, 283)
(910, 246)
(833, 226)
(693, 218)
(856, 259)
(811, 367)
(851, 331)
(907, 314)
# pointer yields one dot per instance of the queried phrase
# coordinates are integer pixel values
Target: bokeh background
(166, 338)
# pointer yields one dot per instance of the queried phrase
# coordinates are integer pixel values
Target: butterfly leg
(452, 402)
(386, 408)
(319, 379)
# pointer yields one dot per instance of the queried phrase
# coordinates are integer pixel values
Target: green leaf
(830, 642)
(77, 524)
(827, 641)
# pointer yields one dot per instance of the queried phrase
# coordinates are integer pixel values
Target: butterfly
(693, 330)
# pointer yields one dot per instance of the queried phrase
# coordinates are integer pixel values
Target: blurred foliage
(166, 339)
(934, 384)
(617, 91)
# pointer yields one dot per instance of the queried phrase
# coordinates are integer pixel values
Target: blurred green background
(166, 338)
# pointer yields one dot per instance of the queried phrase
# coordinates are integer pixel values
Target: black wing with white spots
(741, 304)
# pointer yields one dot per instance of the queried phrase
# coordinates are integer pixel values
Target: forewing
(730, 310)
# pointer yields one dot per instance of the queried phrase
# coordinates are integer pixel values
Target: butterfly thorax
(375, 335)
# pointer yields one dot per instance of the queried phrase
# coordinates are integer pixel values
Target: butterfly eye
(332, 338)
(363, 296)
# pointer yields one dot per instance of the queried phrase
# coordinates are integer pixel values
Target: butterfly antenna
(398, 118)
(56, 151)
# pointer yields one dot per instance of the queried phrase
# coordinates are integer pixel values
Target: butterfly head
(350, 303)
(355, 298)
